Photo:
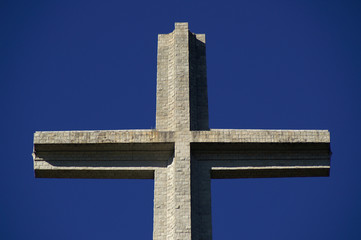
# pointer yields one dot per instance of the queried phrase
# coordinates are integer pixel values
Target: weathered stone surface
(103, 136)
(262, 136)
(182, 154)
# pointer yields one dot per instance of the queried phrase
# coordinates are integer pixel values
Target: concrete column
(182, 100)
(160, 204)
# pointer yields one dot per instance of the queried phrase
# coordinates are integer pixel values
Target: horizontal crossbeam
(137, 153)
(263, 153)
(101, 154)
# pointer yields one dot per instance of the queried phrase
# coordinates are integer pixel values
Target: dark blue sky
(84, 65)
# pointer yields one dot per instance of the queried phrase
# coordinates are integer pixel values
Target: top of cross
(182, 100)
(181, 25)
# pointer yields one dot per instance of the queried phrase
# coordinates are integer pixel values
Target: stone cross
(182, 154)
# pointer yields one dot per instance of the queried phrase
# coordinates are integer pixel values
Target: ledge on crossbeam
(105, 174)
(270, 172)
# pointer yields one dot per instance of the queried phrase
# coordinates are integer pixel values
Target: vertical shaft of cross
(198, 82)
(182, 106)
(182, 100)
(201, 200)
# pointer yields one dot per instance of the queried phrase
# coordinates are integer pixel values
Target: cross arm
(263, 153)
(101, 154)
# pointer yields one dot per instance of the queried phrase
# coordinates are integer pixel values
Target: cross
(182, 154)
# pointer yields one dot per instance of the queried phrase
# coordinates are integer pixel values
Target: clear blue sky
(84, 65)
